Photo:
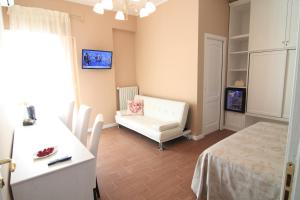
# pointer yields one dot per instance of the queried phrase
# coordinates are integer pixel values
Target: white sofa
(163, 120)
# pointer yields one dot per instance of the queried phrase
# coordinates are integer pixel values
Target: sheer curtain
(37, 58)
(1, 27)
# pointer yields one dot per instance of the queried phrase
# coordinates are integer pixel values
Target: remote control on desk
(63, 159)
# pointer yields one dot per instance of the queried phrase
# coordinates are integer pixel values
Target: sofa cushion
(165, 110)
(135, 107)
(147, 126)
(146, 122)
(165, 126)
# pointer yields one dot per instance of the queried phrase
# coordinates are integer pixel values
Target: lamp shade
(98, 8)
(150, 7)
(107, 4)
(120, 15)
(143, 13)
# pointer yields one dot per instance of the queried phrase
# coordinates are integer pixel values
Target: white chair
(93, 145)
(66, 114)
(82, 122)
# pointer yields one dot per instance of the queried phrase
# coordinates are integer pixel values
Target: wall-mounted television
(235, 99)
(96, 59)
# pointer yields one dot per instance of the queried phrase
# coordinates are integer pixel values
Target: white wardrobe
(273, 32)
(273, 24)
(272, 42)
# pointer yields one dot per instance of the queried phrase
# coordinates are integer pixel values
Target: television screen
(235, 99)
(96, 59)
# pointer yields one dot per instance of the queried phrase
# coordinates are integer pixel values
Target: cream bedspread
(245, 166)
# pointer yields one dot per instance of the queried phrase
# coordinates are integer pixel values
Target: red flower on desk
(45, 152)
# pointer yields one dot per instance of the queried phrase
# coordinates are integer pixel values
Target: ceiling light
(143, 13)
(120, 16)
(98, 8)
(150, 7)
(125, 7)
(107, 4)
(7, 2)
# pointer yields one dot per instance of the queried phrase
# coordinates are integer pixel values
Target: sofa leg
(161, 147)
(97, 189)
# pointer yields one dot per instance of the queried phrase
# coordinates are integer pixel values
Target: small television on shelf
(96, 59)
(235, 99)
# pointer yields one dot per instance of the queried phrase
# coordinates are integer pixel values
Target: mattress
(245, 166)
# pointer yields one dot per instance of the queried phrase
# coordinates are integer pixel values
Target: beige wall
(166, 53)
(124, 57)
(92, 31)
(169, 51)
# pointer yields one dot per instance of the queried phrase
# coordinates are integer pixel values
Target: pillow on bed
(135, 107)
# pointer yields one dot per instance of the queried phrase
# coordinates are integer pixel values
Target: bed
(245, 166)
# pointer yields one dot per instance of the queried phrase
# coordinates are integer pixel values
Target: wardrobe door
(266, 83)
(289, 83)
(292, 23)
(267, 24)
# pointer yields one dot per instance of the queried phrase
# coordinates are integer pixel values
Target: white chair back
(66, 114)
(82, 123)
(95, 136)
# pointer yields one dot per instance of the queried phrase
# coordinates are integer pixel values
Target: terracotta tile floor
(131, 167)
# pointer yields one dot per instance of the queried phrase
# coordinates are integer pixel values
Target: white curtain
(1, 26)
(37, 60)
(39, 20)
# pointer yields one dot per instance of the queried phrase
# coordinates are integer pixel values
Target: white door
(292, 23)
(267, 24)
(293, 144)
(265, 92)
(213, 67)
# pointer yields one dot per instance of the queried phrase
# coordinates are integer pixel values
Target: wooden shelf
(238, 44)
(238, 52)
(237, 70)
(240, 37)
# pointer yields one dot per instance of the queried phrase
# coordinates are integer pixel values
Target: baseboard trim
(105, 126)
(199, 137)
(231, 128)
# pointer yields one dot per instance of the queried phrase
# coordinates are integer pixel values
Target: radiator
(125, 94)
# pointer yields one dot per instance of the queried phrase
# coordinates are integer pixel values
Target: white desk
(35, 180)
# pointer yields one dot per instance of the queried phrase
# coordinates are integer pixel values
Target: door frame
(292, 153)
(222, 39)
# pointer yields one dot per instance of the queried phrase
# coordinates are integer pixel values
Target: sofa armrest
(165, 126)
